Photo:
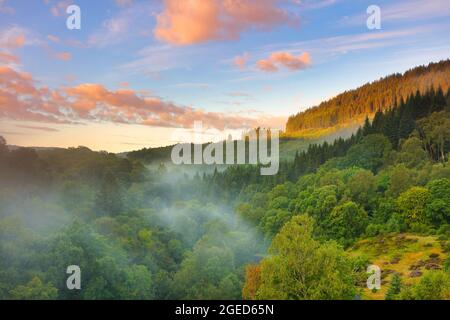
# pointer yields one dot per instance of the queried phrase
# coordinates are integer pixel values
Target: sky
(138, 70)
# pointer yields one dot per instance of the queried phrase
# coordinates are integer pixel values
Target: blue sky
(139, 69)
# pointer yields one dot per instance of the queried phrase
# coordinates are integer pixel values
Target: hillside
(410, 256)
(352, 107)
(288, 148)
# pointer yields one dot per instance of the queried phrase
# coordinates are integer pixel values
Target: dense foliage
(145, 232)
(353, 106)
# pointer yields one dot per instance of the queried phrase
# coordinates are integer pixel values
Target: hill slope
(354, 106)
(409, 255)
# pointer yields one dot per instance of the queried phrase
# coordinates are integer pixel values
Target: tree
(400, 180)
(301, 268)
(138, 284)
(394, 288)
(433, 285)
(109, 198)
(412, 205)
(3, 146)
(438, 205)
(202, 274)
(252, 281)
(381, 95)
(35, 290)
(362, 186)
(435, 131)
(412, 154)
(367, 128)
(370, 153)
(407, 123)
(347, 222)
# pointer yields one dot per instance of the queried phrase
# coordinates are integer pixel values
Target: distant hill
(150, 155)
(352, 107)
(13, 147)
(288, 148)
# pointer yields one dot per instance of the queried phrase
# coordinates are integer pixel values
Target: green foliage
(401, 179)
(412, 205)
(394, 288)
(301, 268)
(434, 285)
(109, 198)
(412, 153)
(370, 153)
(148, 233)
(438, 206)
(34, 290)
(347, 222)
(362, 187)
(435, 131)
(207, 273)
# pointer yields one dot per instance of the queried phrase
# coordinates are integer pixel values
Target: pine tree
(367, 129)
(378, 122)
(439, 101)
(390, 128)
(394, 288)
(407, 123)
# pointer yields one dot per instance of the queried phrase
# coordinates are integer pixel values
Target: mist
(137, 232)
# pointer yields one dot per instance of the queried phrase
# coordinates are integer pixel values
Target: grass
(407, 248)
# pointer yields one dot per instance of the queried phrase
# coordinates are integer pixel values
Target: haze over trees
(140, 231)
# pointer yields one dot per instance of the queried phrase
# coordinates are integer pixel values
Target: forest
(145, 230)
(351, 107)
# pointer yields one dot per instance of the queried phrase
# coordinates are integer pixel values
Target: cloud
(192, 85)
(152, 60)
(314, 4)
(58, 8)
(7, 58)
(53, 38)
(63, 56)
(47, 129)
(13, 37)
(113, 31)
(239, 94)
(17, 37)
(416, 9)
(21, 99)
(406, 10)
(128, 23)
(241, 61)
(328, 48)
(197, 21)
(4, 8)
(281, 59)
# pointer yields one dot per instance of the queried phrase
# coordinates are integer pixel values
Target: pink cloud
(21, 99)
(59, 8)
(196, 21)
(53, 38)
(64, 56)
(17, 37)
(286, 60)
(12, 40)
(8, 58)
(241, 61)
